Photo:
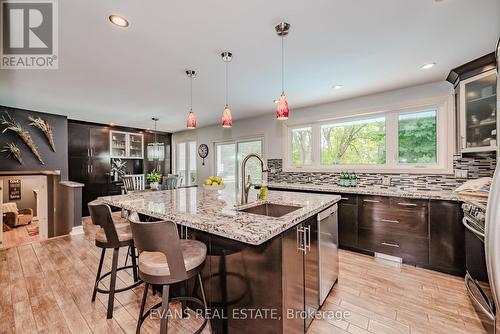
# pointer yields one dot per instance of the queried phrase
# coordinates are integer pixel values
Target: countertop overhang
(216, 212)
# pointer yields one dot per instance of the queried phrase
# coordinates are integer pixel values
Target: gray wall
(53, 160)
(28, 183)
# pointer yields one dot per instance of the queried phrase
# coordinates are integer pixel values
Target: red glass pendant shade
(227, 119)
(191, 120)
(282, 108)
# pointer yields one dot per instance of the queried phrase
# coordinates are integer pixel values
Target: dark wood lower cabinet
(348, 221)
(423, 232)
(447, 237)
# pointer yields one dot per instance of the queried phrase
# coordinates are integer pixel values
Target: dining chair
(133, 182)
(170, 182)
(165, 259)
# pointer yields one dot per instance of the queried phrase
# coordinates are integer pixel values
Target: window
(301, 146)
(356, 142)
(416, 139)
(186, 162)
(230, 156)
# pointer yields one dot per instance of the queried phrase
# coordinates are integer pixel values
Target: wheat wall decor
(13, 150)
(42, 124)
(12, 125)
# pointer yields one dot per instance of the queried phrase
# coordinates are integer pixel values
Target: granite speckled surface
(393, 192)
(216, 212)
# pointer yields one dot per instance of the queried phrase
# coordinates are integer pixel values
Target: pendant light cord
(282, 65)
(191, 93)
(227, 79)
(156, 139)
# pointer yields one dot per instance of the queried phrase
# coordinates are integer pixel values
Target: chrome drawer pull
(407, 204)
(390, 244)
(344, 198)
(370, 201)
(390, 221)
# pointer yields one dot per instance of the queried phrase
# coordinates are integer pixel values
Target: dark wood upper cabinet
(447, 237)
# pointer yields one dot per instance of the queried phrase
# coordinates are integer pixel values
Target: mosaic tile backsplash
(476, 167)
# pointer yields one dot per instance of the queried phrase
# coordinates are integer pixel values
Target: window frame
(444, 141)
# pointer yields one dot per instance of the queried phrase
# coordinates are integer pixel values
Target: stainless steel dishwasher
(328, 236)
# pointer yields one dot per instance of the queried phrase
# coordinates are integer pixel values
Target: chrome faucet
(246, 184)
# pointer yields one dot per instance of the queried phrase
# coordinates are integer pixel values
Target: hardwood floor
(20, 235)
(45, 287)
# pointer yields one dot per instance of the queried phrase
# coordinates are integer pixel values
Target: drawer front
(408, 203)
(348, 199)
(388, 220)
(374, 201)
(411, 249)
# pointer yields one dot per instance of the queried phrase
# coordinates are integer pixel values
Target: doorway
(23, 201)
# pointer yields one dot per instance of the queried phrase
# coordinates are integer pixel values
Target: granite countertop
(390, 191)
(216, 212)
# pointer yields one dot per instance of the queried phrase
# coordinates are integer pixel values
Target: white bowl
(214, 187)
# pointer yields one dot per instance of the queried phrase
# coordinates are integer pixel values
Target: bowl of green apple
(214, 183)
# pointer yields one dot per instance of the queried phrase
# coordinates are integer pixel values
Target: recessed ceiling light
(119, 21)
(427, 66)
(338, 87)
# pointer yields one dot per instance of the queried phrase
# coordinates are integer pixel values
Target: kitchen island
(255, 273)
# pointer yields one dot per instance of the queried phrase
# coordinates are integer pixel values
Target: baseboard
(76, 230)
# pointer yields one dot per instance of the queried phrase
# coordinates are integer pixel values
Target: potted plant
(153, 179)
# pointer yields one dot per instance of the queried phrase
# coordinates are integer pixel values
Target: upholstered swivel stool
(165, 259)
(115, 236)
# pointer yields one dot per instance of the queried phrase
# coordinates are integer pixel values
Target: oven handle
(474, 299)
(466, 221)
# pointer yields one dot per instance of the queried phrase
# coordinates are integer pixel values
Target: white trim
(76, 230)
(444, 140)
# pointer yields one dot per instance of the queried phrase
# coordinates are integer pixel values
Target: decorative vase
(154, 185)
(115, 176)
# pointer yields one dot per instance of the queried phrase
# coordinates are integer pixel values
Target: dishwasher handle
(328, 212)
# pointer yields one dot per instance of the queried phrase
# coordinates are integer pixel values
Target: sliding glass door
(186, 162)
(229, 157)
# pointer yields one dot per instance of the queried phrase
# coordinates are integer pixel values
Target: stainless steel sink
(270, 209)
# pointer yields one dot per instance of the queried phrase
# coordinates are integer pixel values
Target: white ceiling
(125, 76)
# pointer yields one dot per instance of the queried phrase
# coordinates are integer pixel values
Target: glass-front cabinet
(478, 114)
(126, 145)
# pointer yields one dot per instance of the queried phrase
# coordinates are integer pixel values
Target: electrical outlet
(386, 180)
(461, 173)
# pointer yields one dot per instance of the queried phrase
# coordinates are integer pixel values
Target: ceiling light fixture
(156, 150)
(191, 120)
(227, 118)
(338, 87)
(119, 21)
(427, 66)
(282, 110)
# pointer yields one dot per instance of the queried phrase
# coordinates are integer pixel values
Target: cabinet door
(100, 164)
(311, 270)
(447, 237)
(348, 221)
(293, 281)
(118, 144)
(478, 113)
(135, 146)
(78, 140)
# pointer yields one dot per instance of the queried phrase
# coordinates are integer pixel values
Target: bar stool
(165, 259)
(114, 236)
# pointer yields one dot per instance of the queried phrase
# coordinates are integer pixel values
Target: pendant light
(227, 119)
(191, 120)
(156, 150)
(282, 107)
